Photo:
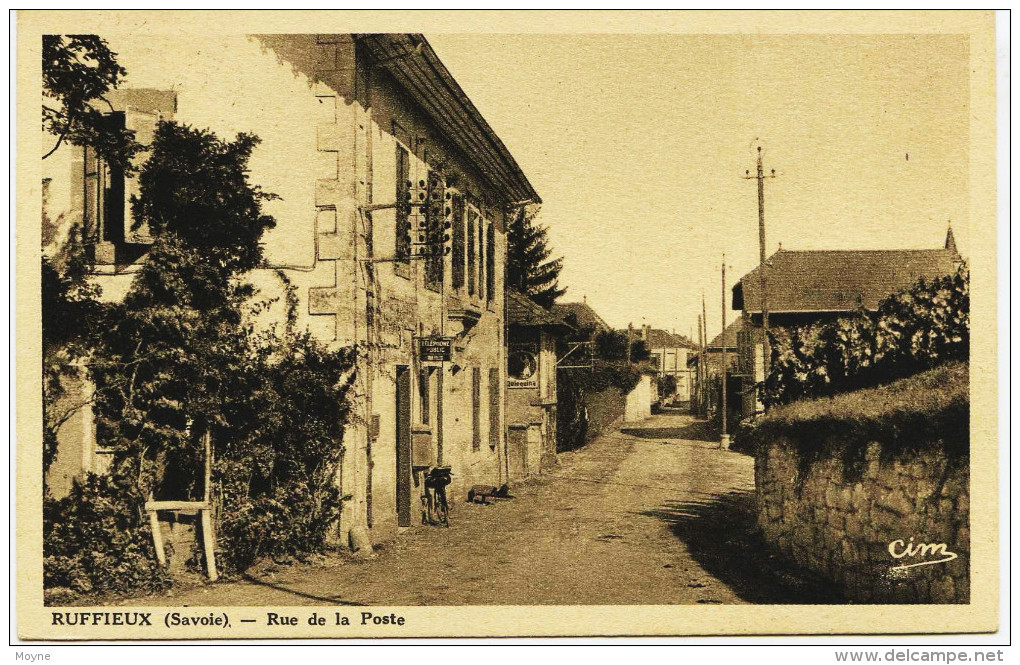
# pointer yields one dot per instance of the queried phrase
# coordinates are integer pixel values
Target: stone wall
(839, 509)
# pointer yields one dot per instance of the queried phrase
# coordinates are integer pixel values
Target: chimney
(644, 331)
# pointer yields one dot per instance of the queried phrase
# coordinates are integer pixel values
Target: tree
(528, 266)
(195, 186)
(78, 71)
(182, 359)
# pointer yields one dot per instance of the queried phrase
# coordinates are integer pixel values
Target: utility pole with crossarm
(762, 282)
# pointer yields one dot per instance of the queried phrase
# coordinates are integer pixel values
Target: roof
(839, 280)
(661, 339)
(729, 334)
(580, 314)
(524, 312)
(410, 59)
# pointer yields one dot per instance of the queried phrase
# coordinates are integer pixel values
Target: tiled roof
(656, 338)
(581, 313)
(522, 311)
(730, 335)
(839, 280)
(661, 339)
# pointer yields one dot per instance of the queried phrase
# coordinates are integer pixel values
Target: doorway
(403, 446)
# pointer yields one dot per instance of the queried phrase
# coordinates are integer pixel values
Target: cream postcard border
(981, 615)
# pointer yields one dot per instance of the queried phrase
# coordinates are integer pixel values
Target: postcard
(505, 324)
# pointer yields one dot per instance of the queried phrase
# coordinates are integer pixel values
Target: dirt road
(655, 514)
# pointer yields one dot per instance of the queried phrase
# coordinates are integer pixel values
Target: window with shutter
(457, 252)
(490, 263)
(108, 191)
(472, 250)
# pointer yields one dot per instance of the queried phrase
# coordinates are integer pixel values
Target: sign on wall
(522, 366)
(435, 349)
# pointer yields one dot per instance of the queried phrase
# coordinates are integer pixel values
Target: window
(472, 250)
(476, 406)
(457, 253)
(106, 190)
(490, 263)
(403, 194)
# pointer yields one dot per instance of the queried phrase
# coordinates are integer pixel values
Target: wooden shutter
(476, 407)
(494, 403)
(143, 124)
(459, 231)
(403, 178)
(490, 263)
(472, 250)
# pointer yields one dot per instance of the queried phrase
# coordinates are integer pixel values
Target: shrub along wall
(910, 332)
(589, 402)
(855, 486)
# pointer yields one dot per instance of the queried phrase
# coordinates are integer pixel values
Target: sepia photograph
(516, 329)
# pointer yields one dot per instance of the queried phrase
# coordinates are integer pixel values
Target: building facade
(352, 127)
(668, 354)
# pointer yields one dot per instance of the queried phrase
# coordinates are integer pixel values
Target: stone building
(805, 287)
(350, 127)
(531, 398)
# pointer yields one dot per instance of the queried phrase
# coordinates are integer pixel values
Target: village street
(655, 514)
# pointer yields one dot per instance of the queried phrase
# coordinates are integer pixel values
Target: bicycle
(437, 508)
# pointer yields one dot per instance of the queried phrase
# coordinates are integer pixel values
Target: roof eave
(427, 80)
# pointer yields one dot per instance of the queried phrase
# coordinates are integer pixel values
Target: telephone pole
(706, 392)
(762, 282)
(724, 440)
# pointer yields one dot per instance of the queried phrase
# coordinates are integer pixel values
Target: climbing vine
(182, 358)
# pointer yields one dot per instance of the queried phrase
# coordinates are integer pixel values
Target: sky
(638, 146)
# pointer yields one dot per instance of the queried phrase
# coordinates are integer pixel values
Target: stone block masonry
(880, 521)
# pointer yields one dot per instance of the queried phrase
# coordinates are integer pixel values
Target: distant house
(805, 287)
(725, 340)
(668, 357)
(532, 332)
(581, 316)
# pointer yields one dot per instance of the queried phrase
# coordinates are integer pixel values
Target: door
(517, 449)
(403, 446)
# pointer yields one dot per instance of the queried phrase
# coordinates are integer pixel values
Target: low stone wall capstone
(855, 514)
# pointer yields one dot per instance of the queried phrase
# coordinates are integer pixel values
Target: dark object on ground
(485, 493)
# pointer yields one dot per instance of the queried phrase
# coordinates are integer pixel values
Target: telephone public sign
(435, 349)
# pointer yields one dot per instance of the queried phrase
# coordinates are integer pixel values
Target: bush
(933, 405)
(910, 331)
(95, 540)
(573, 391)
(278, 474)
(667, 386)
(180, 359)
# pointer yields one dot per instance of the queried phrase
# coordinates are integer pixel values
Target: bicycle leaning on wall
(435, 507)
